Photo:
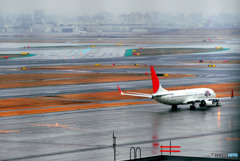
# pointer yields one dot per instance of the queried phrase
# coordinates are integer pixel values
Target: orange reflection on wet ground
(63, 126)
(53, 125)
(219, 117)
(232, 138)
(7, 131)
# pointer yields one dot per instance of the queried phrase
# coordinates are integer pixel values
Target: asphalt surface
(87, 134)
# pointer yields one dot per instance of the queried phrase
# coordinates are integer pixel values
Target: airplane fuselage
(185, 96)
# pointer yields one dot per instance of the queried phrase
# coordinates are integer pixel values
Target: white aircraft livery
(204, 96)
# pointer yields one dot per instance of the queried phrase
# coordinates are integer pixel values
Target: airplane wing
(135, 94)
(190, 101)
(162, 94)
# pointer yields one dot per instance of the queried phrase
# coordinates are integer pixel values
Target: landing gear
(174, 107)
(202, 104)
(192, 107)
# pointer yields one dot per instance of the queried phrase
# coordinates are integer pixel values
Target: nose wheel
(174, 107)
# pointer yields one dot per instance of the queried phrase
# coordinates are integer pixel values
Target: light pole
(114, 146)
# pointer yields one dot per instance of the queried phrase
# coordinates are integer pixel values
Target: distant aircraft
(204, 96)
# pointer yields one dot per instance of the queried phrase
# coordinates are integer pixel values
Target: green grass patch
(168, 51)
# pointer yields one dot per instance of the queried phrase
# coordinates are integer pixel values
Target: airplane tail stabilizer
(157, 88)
(135, 94)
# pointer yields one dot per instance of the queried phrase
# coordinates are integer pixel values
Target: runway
(87, 134)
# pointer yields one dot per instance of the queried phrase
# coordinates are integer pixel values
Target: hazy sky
(80, 7)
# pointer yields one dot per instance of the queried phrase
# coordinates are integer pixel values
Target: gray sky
(80, 7)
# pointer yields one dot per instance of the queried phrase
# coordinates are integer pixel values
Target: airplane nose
(214, 94)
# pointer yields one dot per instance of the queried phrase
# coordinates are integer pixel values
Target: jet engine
(212, 102)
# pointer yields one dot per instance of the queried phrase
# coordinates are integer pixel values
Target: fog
(90, 7)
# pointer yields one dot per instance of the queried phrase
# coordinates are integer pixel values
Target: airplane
(206, 97)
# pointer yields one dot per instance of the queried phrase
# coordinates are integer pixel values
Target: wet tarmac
(87, 134)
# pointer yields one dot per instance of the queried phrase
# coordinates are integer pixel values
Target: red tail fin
(119, 89)
(232, 94)
(155, 81)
